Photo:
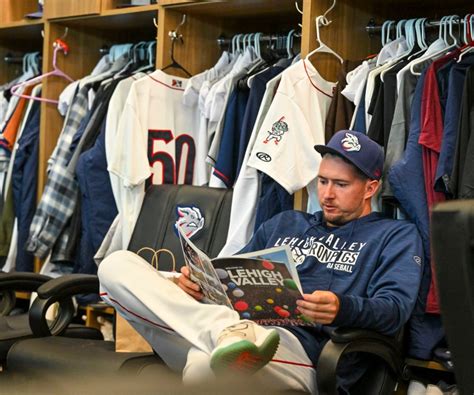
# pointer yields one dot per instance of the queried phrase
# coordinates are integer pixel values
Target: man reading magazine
(357, 269)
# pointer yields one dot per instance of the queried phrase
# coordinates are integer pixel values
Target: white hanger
(409, 26)
(420, 37)
(385, 36)
(468, 25)
(451, 21)
(323, 48)
(257, 44)
(289, 43)
(441, 35)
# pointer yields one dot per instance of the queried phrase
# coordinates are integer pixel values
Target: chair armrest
(69, 285)
(11, 282)
(345, 335)
(21, 281)
(59, 290)
(347, 340)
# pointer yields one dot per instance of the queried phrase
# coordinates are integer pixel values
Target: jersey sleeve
(129, 159)
(284, 148)
(392, 290)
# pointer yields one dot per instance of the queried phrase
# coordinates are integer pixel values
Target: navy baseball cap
(358, 149)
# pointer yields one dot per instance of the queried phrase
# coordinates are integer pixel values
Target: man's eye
(341, 185)
(323, 182)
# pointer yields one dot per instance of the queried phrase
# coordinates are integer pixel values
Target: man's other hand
(188, 285)
(320, 306)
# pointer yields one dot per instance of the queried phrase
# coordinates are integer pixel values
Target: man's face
(341, 191)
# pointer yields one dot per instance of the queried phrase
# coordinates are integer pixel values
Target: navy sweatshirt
(373, 264)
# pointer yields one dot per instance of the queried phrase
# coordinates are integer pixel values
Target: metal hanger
(175, 36)
(300, 11)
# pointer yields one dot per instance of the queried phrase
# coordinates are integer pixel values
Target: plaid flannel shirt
(61, 191)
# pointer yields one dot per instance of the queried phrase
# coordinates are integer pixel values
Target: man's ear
(371, 188)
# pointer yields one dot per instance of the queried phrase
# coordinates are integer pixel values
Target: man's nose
(329, 191)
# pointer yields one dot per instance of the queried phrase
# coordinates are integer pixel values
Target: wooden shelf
(22, 23)
(125, 19)
(22, 30)
(94, 311)
(130, 10)
(238, 8)
(23, 295)
(433, 365)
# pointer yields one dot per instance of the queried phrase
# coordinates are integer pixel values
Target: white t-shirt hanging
(114, 113)
(294, 124)
(156, 143)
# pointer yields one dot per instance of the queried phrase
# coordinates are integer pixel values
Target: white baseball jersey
(299, 107)
(284, 148)
(247, 186)
(155, 143)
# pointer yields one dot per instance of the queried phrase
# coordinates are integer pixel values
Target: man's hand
(320, 306)
(188, 285)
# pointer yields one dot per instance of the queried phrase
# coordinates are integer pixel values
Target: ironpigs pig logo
(190, 220)
(279, 128)
(350, 143)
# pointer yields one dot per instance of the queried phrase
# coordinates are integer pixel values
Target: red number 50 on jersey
(171, 158)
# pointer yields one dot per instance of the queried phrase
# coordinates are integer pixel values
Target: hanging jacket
(406, 179)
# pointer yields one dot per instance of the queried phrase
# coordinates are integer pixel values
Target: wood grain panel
(65, 8)
(15, 10)
(199, 49)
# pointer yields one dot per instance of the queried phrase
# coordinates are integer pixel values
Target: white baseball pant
(184, 331)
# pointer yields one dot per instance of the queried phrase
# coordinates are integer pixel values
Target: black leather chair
(160, 202)
(453, 250)
(155, 228)
(17, 327)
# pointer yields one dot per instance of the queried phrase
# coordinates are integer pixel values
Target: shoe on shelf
(244, 347)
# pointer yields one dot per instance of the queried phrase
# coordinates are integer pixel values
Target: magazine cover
(202, 272)
(262, 286)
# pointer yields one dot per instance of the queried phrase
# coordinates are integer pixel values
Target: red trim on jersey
(293, 363)
(168, 86)
(139, 316)
(222, 176)
(312, 83)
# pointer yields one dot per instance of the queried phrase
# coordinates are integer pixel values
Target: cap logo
(350, 143)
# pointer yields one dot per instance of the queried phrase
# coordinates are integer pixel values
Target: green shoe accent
(244, 356)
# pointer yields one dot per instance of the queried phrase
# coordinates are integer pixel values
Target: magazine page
(261, 290)
(280, 254)
(202, 272)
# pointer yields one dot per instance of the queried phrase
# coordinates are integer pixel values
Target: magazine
(262, 286)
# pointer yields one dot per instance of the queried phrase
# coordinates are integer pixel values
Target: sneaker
(244, 347)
